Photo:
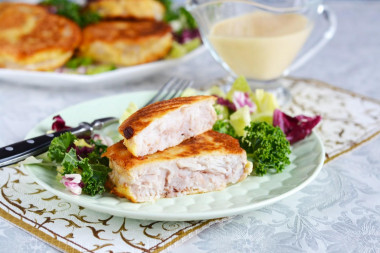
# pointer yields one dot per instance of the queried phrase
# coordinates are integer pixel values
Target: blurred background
(351, 57)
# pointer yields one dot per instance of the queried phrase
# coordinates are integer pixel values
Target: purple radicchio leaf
(59, 124)
(226, 102)
(73, 182)
(241, 99)
(187, 35)
(295, 128)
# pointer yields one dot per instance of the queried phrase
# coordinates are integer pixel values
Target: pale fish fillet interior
(173, 128)
(179, 177)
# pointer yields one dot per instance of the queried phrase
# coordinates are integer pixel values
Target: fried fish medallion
(126, 43)
(136, 9)
(167, 123)
(207, 162)
(33, 39)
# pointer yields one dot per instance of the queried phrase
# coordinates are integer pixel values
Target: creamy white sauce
(260, 45)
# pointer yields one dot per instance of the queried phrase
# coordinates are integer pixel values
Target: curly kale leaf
(94, 177)
(96, 155)
(59, 145)
(267, 147)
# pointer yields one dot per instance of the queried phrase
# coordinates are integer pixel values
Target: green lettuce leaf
(59, 145)
(225, 127)
(73, 11)
(70, 162)
(240, 84)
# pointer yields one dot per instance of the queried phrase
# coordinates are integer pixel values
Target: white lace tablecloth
(338, 212)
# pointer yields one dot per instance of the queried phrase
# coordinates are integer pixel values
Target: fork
(171, 89)
(16, 152)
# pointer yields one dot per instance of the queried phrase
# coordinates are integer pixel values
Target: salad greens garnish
(187, 18)
(295, 128)
(86, 161)
(170, 13)
(184, 28)
(58, 146)
(76, 62)
(178, 50)
(72, 11)
(85, 65)
(97, 69)
(266, 146)
(180, 14)
(59, 124)
(224, 126)
(94, 177)
(254, 118)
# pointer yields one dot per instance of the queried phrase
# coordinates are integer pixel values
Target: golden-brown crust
(126, 43)
(209, 143)
(128, 9)
(128, 31)
(145, 116)
(14, 15)
(30, 35)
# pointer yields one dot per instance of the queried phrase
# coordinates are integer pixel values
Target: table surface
(348, 221)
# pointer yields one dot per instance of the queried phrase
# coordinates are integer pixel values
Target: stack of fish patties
(169, 150)
(131, 32)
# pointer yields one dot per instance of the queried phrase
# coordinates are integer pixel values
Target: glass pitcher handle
(330, 17)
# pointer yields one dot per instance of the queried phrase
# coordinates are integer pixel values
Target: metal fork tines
(171, 89)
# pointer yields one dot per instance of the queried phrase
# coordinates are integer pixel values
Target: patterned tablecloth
(338, 212)
(348, 121)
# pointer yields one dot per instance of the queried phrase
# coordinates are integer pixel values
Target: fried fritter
(167, 123)
(33, 39)
(126, 43)
(136, 9)
(206, 162)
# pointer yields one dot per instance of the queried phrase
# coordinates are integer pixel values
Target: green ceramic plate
(254, 192)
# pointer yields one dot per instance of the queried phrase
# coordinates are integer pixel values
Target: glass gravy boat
(262, 40)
